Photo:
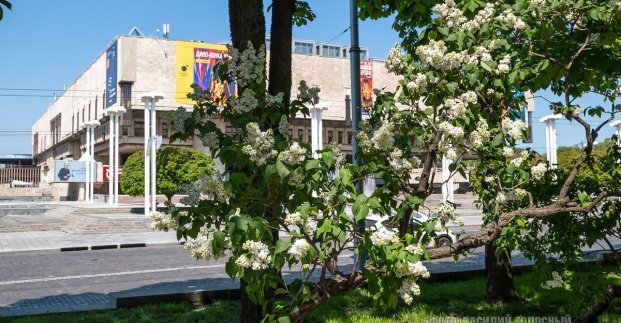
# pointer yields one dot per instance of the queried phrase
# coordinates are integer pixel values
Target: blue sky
(46, 44)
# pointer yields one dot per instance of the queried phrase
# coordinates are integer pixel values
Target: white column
(147, 159)
(317, 129)
(551, 138)
(445, 176)
(153, 153)
(110, 157)
(87, 196)
(617, 125)
(116, 160)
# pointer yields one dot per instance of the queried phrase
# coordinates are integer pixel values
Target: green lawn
(453, 299)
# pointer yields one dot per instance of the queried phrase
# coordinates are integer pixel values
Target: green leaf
(281, 245)
(282, 169)
(328, 158)
(218, 240)
(363, 211)
(312, 164)
(486, 66)
(284, 319)
(345, 176)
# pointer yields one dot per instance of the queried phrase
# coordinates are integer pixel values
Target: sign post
(151, 143)
(551, 138)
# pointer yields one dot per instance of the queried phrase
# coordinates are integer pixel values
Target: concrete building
(131, 66)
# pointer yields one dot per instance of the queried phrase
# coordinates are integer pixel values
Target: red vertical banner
(366, 85)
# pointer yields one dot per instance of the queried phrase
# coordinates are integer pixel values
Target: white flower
(211, 184)
(576, 113)
(538, 171)
(296, 177)
(202, 246)
(258, 257)
(273, 100)
(513, 129)
(162, 221)
(447, 209)
(382, 238)
(489, 179)
(455, 132)
(395, 61)
(419, 84)
(249, 67)
(440, 228)
(481, 135)
(415, 249)
(459, 221)
(408, 289)
(435, 54)
(284, 126)
(339, 156)
(383, 138)
(508, 152)
(399, 164)
(294, 155)
(450, 153)
(299, 249)
(309, 224)
(509, 18)
(410, 269)
(260, 144)
(555, 282)
(503, 65)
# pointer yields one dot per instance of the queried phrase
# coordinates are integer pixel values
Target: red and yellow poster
(366, 85)
(195, 63)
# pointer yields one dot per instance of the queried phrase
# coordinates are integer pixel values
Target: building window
(301, 134)
(340, 137)
(35, 140)
(126, 94)
(330, 136)
(303, 48)
(349, 137)
(83, 114)
(55, 129)
(330, 51)
(310, 136)
(165, 129)
(139, 128)
(290, 133)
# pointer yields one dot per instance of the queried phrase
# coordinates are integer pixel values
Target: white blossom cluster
(513, 128)
(418, 84)
(284, 126)
(538, 171)
(395, 61)
(555, 282)
(309, 224)
(307, 93)
(503, 65)
(257, 258)
(260, 144)
(453, 18)
(210, 140)
(162, 221)
(448, 150)
(455, 132)
(178, 118)
(481, 54)
(202, 246)
(456, 107)
(576, 19)
(382, 238)
(447, 213)
(408, 289)
(211, 184)
(576, 112)
(299, 249)
(415, 249)
(339, 156)
(245, 103)
(249, 67)
(517, 194)
(382, 138)
(296, 177)
(537, 4)
(399, 164)
(295, 155)
(509, 18)
(481, 135)
(410, 269)
(435, 54)
(516, 159)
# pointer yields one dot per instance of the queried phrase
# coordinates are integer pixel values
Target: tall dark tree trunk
(247, 23)
(500, 288)
(280, 48)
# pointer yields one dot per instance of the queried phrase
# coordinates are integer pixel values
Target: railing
(29, 174)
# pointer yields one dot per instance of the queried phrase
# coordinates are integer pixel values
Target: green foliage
(7, 5)
(176, 168)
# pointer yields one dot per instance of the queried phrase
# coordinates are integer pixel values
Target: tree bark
(280, 49)
(247, 23)
(499, 285)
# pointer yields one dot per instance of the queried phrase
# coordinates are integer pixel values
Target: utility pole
(354, 60)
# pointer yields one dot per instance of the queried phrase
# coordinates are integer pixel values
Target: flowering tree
(457, 97)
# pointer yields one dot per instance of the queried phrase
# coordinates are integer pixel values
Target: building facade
(132, 66)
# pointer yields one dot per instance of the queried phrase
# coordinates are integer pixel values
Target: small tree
(176, 168)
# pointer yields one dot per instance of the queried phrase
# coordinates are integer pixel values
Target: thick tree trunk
(500, 288)
(247, 23)
(280, 48)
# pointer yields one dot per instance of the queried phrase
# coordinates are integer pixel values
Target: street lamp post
(551, 138)
(90, 152)
(447, 181)
(317, 129)
(113, 146)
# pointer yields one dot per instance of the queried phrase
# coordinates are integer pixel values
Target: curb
(96, 247)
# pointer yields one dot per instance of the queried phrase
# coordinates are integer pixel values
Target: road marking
(122, 273)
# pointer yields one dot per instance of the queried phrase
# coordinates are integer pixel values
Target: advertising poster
(71, 171)
(107, 173)
(366, 85)
(195, 63)
(111, 74)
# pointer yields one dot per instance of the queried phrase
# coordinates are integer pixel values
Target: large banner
(195, 63)
(71, 171)
(111, 74)
(366, 85)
